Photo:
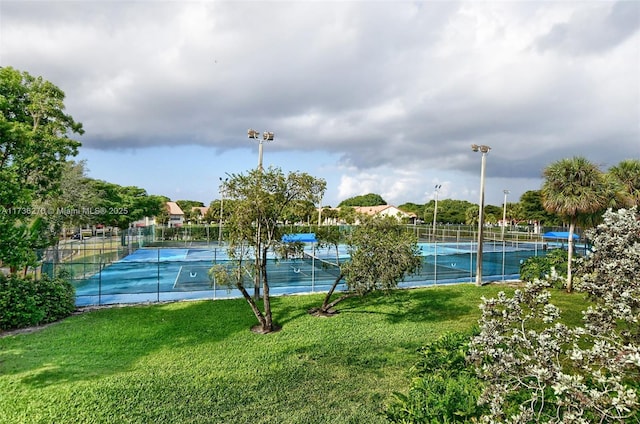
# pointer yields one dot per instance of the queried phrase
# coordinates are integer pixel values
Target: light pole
(222, 183)
(504, 224)
(504, 212)
(484, 150)
(266, 136)
(435, 240)
(435, 210)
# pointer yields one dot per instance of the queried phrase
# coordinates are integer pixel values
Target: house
(330, 215)
(198, 213)
(384, 210)
(145, 222)
(176, 216)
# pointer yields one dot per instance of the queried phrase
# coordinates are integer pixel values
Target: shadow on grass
(110, 341)
(285, 312)
(423, 305)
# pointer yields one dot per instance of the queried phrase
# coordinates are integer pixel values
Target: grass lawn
(197, 362)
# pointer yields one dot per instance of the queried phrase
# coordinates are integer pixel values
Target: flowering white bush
(539, 370)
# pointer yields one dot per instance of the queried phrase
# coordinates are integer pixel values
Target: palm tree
(573, 187)
(627, 173)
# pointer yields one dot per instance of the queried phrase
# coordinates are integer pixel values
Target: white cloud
(397, 91)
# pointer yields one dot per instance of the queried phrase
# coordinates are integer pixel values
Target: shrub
(18, 303)
(25, 302)
(56, 298)
(444, 388)
(536, 369)
(553, 264)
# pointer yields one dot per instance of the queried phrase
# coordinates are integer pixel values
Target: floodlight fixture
(435, 210)
(266, 136)
(480, 148)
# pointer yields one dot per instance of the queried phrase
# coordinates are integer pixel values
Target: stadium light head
(253, 133)
(480, 148)
(267, 136)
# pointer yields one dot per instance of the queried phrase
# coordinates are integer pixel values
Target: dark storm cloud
(394, 85)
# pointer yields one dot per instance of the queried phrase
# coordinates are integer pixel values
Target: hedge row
(25, 301)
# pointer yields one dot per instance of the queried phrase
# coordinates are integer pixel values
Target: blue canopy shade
(300, 237)
(559, 235)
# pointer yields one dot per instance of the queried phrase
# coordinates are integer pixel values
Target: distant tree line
(370, 199)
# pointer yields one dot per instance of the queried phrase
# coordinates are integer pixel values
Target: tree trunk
(572, 226)
(330, 293)
(266, 299)
(257, 279)
(258, 268)
(326, 306)
(253, 305)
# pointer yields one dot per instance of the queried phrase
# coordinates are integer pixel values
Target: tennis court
(159, 274)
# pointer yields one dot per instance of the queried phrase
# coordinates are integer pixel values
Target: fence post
(158, 277)
(503, 257)
(100, 282)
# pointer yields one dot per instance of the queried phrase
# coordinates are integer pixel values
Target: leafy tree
(329, 236)
(192, 211)
(514, 211)
(34, 145)
(215, 208)
(573, 187)
(370, 199)
(347, 214)
(471, 215)
(194, 215)
(428, 210)
(452, 211)
(213, 212)
(139, 205)
(627, 173)
(537, 369)
(188, 206)
(382, 253)
(532, 209)
(21, 242)
(260, 200)
(121, 206)
(329, 214)
(73, 205)
(162, 217)
(415, 208)
(492, 214)
(301, 211)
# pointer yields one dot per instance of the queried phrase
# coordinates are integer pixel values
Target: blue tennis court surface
(158, 274)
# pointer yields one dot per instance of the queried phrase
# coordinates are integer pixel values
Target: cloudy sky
(373, 96)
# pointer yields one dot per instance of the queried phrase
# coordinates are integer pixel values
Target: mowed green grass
(198, 362)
